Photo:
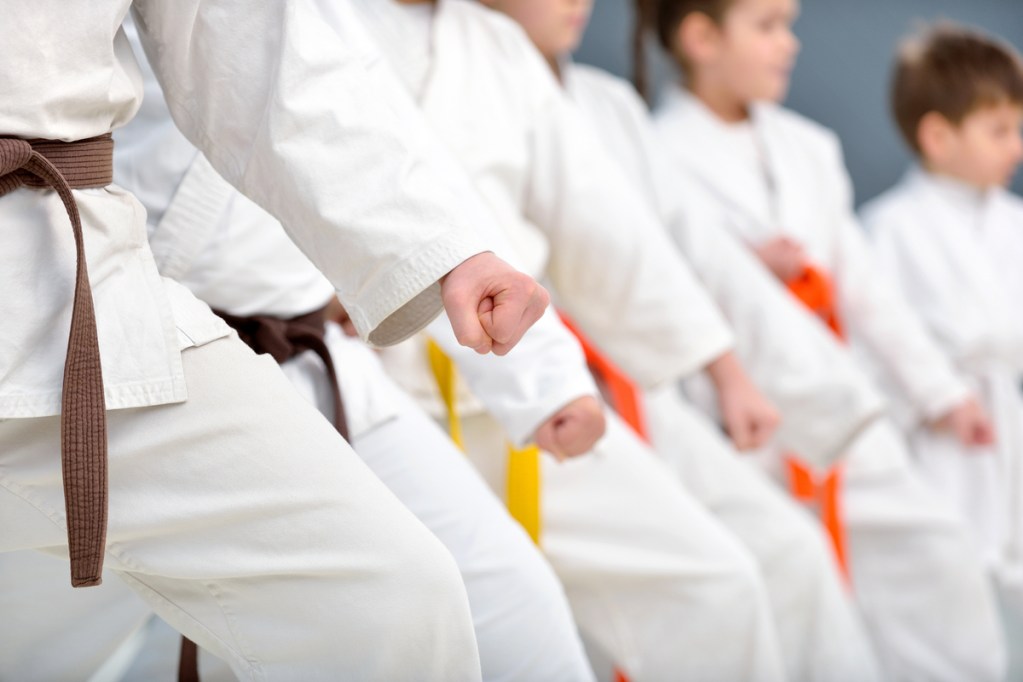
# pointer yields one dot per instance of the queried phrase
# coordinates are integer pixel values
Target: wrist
(725, 370)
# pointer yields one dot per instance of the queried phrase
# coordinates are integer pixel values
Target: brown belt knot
(63, 166)
(283, 339)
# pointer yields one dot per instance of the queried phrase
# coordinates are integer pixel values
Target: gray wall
(842, 74)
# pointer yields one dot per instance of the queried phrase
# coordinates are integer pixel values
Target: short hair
(952, 70)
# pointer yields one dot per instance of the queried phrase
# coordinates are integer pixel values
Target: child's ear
(697, 38)
(933, 134)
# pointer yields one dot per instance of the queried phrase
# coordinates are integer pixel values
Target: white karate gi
(236, 501)
(952, 251)
(933, 617)
(823, 639)
(244, 264)
(565, 207)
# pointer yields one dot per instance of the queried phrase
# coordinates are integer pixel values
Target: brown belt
(283, 339)
(63, 166)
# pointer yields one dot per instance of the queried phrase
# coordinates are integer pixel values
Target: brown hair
(951, 70)
(662, 18)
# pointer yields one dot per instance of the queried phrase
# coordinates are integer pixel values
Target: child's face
(554, 26)
(984, 150)
(753, 51)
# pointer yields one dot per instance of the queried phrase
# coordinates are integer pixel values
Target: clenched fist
(574, 429)
(969, 423)
(749, 418)
(783, 256)
(490, 303)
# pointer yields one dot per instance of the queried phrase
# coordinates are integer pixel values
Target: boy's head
(957, 97)
(554, 26)
(744, 48)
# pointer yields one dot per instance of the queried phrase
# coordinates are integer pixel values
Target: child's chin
(775, 95)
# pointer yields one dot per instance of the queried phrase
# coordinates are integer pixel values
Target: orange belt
(618, 389)
(814, 289)
(620, 392)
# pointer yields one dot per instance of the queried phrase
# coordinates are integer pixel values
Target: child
(227, 494)
(579, 221)
(237, 258)
(882, 497)
(783, 182)
(948, 234)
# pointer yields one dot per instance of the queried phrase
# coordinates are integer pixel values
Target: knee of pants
(800, 548)
(736, 583)
(428, 571)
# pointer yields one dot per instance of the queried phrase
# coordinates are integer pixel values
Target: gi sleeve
(524, 388)
(613, 266)
(316, 130)
(876, 316)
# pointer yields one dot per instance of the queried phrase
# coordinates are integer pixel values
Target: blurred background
(841, 78)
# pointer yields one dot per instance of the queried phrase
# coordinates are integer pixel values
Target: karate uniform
(951, 252)
(575, 221)
(237, 513)
(781, 174)
(243, 264)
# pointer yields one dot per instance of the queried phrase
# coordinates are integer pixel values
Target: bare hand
(336, 313)
(491, 304)
(749, 418)
(969, 423)
(783, 256)
(574, 429)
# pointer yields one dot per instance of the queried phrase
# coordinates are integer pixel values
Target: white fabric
(345, 174)
(409, 25)
(820, 634)
(932, 618)
(523, 624)
(951, 251)
(52, 632)
(479, 53)
(926, 602)
(816, 384)
(245, 264)
(567, 211)
(655, 582)
(255, 530)
(522, 620)
(811, 202)
(235, 257)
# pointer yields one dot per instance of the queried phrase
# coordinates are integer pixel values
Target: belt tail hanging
(61, 166)
(815, 290)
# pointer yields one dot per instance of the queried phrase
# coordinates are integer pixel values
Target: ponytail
(662, 18)
(640, 68)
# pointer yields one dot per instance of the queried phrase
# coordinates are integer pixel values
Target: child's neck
(952, 174)
(555, 64)
(720, 100)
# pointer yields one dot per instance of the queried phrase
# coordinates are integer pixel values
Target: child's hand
(969, 423)
(490, 304)
(783, 256)
(337, 313)
(574, 429)
(749, 418)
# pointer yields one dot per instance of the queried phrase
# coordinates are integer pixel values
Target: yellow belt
(523, 474)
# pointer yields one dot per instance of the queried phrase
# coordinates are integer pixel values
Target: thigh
(523, 623)
(737, 492)
(240, 515)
